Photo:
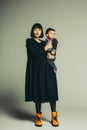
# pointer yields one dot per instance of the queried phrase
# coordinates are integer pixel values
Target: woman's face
(37, 32)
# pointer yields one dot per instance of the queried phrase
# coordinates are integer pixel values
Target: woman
(40, 81)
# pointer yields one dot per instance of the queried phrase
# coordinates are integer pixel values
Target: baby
(50, 38)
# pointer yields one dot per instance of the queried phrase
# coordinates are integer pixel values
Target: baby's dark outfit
(54, 47)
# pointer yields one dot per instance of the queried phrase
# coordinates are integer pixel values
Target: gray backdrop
(69, 18)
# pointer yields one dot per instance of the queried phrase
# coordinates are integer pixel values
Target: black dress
(40, 79)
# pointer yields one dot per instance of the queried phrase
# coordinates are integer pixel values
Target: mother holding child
(40, 80)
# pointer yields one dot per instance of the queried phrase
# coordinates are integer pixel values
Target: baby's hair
(49, 29)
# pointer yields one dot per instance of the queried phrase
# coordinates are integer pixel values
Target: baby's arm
(55, 43)
(54, 48)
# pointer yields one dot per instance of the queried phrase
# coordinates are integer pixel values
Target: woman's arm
(34, 50)
(52, 57)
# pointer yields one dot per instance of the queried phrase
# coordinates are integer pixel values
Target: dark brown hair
(37, 25)
(49, 29)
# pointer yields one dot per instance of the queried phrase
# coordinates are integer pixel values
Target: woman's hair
(49, 29)
(39, 26)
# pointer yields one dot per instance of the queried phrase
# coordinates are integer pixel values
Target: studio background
(69, 18)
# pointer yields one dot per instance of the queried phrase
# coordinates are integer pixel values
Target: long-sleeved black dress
(40, 79)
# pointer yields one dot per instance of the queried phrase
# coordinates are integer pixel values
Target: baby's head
(50, 33)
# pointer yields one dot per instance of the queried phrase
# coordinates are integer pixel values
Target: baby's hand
(53, 52)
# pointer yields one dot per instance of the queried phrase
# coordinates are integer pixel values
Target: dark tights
(52, 105)
(38, 107)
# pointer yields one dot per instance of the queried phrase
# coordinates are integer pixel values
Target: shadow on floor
(11, 107)
(20, 114)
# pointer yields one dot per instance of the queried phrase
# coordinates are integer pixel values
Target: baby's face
(50, 34)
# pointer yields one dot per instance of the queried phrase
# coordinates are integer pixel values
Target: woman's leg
(53, 106)
(54, 120)
(38, 107)
(38, 121)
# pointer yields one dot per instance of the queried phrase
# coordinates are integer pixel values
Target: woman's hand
(48, 46)
(49, 56)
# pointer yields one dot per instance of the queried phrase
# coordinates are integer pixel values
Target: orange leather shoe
(54, 120)
(38, 121)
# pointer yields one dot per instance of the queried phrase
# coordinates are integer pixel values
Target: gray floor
(20, 118)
